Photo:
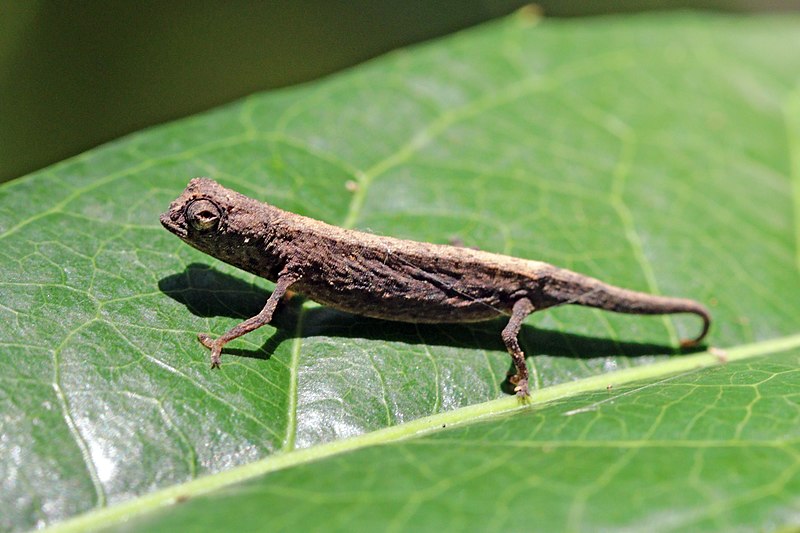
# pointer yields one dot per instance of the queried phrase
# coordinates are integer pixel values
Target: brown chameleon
(387, 278)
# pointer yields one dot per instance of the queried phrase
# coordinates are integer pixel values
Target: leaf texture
(654, 152)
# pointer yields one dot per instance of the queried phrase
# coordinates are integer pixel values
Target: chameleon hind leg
(522, 308)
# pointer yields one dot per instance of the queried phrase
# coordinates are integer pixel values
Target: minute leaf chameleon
(385, 277)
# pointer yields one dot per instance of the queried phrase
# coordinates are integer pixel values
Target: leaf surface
(656, 152)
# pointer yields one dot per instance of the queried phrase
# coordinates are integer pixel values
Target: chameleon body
(385, 277)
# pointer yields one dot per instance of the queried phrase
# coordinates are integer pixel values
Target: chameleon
(388, 278)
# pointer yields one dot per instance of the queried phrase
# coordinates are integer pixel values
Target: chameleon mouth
(167, 222)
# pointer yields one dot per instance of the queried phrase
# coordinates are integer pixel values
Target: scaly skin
(384, 277)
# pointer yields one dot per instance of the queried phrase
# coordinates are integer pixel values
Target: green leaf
(702, 450)
(654, 152)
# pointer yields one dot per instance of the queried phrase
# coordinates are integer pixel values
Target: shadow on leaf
(207, 292)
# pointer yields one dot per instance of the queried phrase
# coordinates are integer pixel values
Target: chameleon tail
(566, 287)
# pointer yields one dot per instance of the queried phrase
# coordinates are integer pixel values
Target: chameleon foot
(522, 389)
(216, 351)
(521, 385)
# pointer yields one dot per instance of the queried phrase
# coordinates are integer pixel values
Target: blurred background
(76, 74)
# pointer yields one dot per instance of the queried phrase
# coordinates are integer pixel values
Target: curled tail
(565, 287)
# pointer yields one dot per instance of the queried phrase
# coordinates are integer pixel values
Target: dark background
(76, 74)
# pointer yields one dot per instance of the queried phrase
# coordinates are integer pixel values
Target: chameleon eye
(203, 215)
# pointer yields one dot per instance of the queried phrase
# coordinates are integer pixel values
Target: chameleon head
(219, 222)
(195, 213)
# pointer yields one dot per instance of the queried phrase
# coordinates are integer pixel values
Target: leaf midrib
(107, 515)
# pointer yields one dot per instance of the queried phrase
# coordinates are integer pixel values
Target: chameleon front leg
(263, 317)
(522, 308)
